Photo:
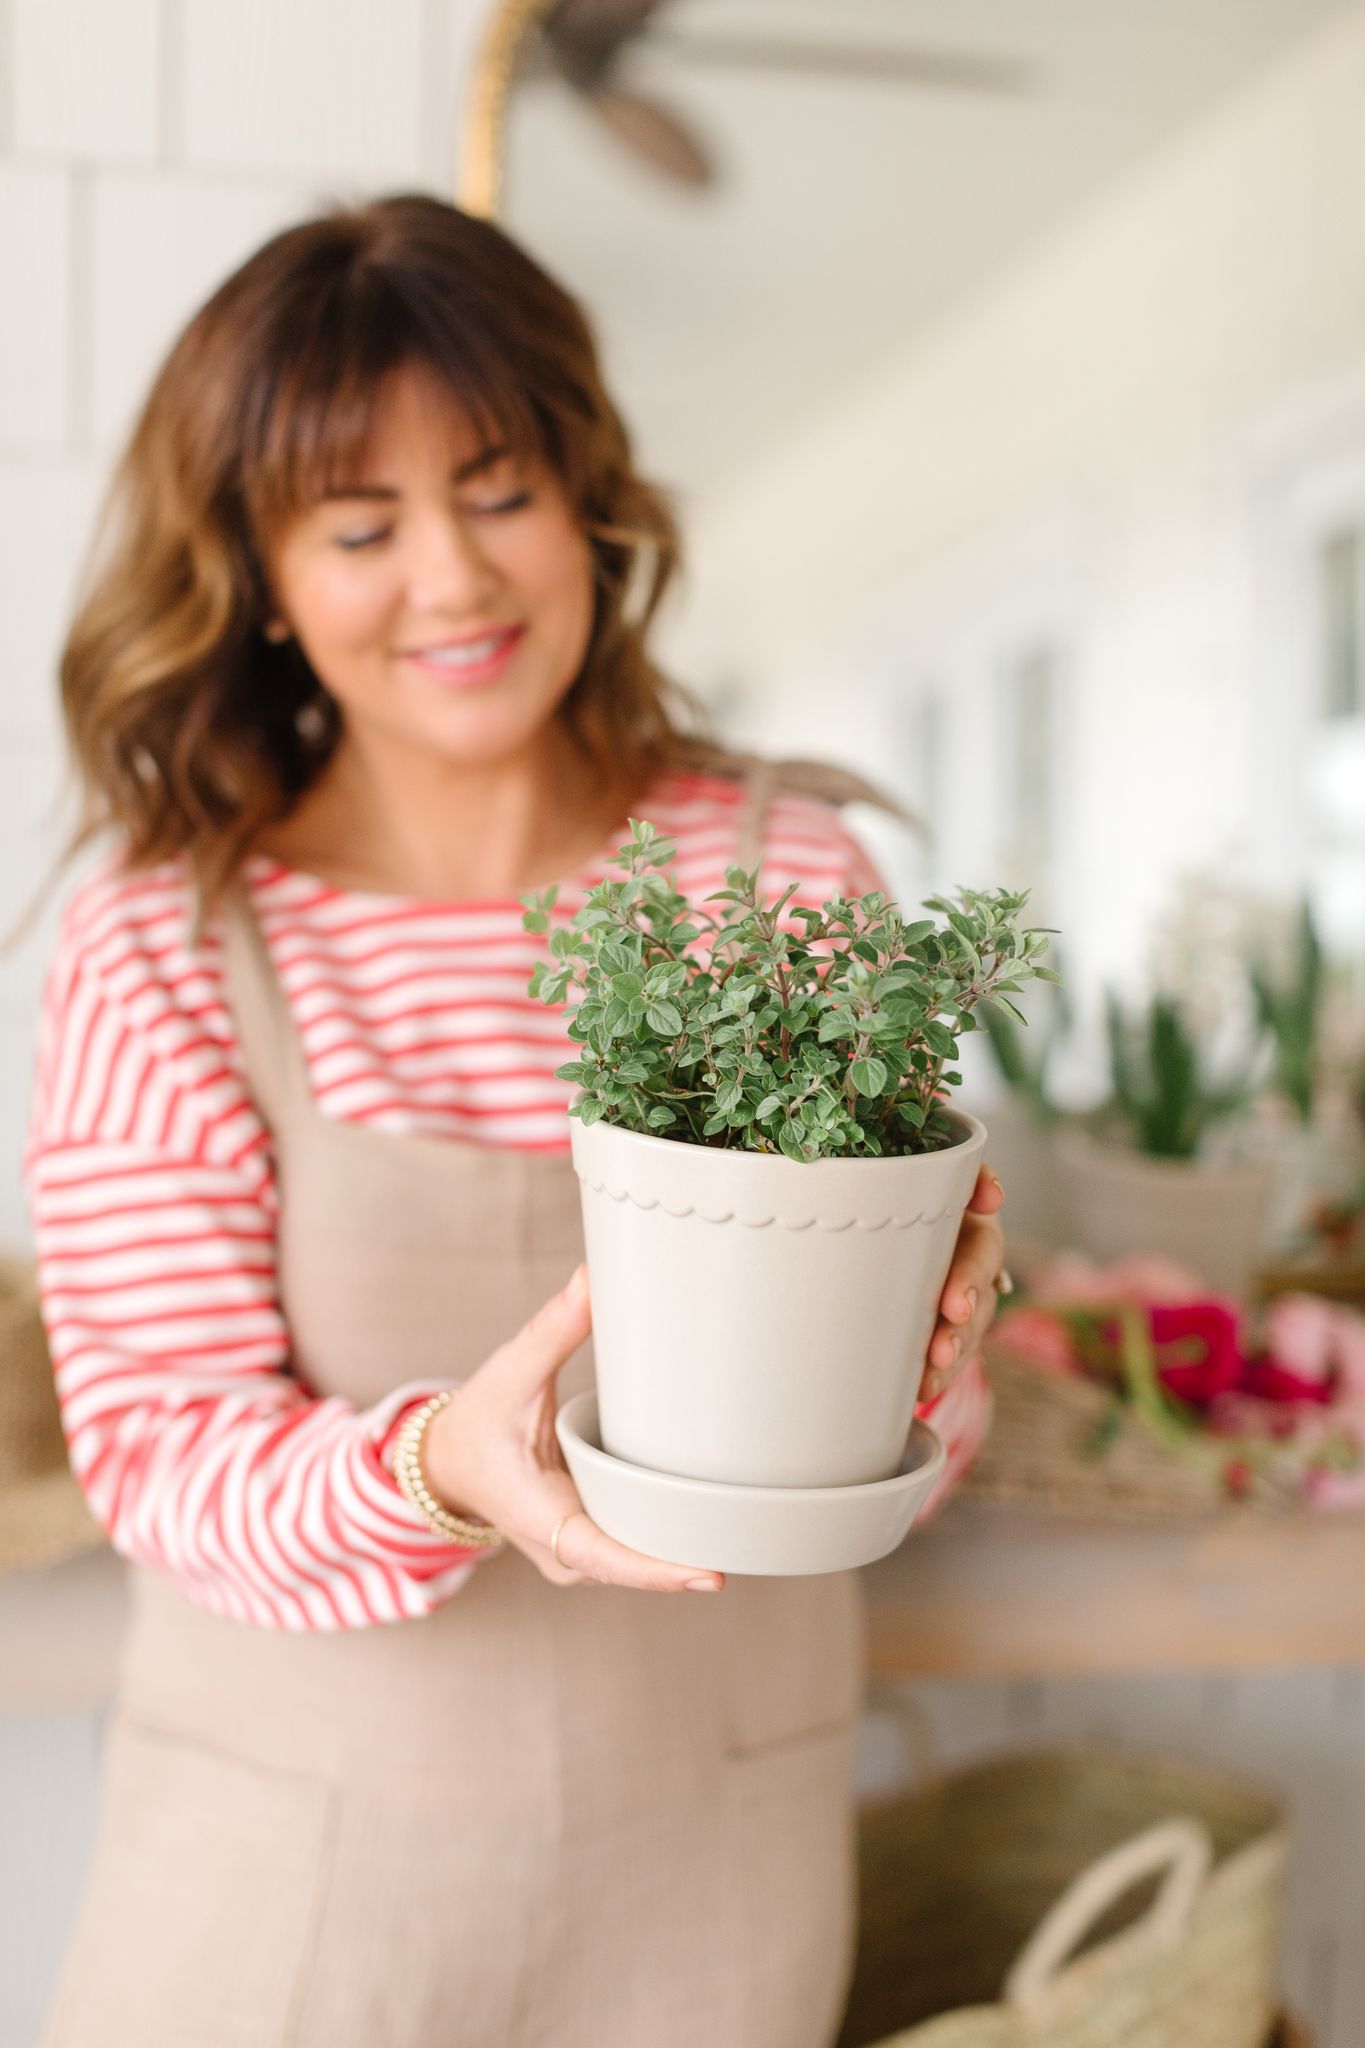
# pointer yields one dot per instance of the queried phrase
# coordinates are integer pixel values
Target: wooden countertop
(981, 1592)
(988, 1592)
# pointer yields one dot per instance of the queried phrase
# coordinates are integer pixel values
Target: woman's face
(396, 589)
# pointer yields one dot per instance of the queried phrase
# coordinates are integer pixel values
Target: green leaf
(869, 1076)
(789, 1138)
(665, 1018)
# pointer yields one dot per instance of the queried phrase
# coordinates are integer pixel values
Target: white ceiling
(850, 216)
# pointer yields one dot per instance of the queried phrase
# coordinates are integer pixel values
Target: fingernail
(969, 1294)
(578, 1286)
(701, 1586)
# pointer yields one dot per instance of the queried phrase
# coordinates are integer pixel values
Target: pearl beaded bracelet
(411, 1480)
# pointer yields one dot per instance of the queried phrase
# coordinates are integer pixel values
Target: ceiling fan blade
(587, 36)
(949, 70)
(651, 131)
(599, 17)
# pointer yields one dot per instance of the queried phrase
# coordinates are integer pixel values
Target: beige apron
(541, 1817)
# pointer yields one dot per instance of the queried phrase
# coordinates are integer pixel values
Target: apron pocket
(197, 1911)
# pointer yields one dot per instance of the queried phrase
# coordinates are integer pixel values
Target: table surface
(981, 1592)
(990, 1592)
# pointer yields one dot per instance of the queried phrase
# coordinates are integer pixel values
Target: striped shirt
(151, 1182)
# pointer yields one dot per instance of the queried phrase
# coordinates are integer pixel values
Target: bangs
(309, 429)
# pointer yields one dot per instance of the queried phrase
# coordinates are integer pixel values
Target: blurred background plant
(1025, 1058)
(1163, 1090)
(1290, 1007)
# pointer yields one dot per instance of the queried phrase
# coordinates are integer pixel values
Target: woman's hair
(190, 731)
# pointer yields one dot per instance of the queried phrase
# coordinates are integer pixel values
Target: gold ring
(554, 1539)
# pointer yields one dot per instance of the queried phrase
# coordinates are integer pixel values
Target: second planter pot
(1210, 1216)
(762, 1320)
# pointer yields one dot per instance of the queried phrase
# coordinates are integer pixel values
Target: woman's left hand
(968, 1302)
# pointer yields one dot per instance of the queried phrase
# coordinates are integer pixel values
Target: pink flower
(1271, 1381)
(1300, 1329)
(1325, 1489)
(1141, 1276)
(1038, 1337)
(1350, 1335)
(1321, 1344)
(1208, 1330)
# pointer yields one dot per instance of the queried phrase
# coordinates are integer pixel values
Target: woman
(358, 668)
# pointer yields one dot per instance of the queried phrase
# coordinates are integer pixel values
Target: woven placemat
(1058, 1443)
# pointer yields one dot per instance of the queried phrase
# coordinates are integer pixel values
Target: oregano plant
(833, 1040)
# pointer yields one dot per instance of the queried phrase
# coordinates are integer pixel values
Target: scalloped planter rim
(759, 1320)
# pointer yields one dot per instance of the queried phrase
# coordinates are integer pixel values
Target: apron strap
(272, 1052)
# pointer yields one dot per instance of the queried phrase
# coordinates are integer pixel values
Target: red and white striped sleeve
(961, 1415)
(154, 1209)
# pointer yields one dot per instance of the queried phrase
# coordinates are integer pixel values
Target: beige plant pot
(1211, 1217)
(760, 1320)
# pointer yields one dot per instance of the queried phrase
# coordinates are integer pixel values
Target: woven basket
(1071, 1898)
(43, 1513)
(1039, 1454)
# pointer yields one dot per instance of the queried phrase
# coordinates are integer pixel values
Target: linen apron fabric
(540, 1817)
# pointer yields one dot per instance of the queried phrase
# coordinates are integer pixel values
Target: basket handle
(1181, 1847)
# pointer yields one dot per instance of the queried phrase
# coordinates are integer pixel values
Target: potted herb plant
(772, 1179)
(1139, 1174)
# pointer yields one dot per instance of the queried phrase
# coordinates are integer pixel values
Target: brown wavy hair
(189, 730)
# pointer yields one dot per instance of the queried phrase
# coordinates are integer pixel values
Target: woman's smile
(461, 665)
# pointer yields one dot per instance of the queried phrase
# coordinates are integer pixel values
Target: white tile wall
(86, 78)
(321, 86)
(161, 245)
(47, 507)
(49, 1774)
(34, 306)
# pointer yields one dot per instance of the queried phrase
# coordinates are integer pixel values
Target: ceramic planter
(1210, 1216)
(759, 1320)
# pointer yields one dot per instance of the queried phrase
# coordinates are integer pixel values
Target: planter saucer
(768, 1531)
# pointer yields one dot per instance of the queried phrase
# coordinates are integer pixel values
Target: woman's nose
(449, 564)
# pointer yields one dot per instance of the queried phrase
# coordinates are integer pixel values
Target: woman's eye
(507, 504)
(365, 540)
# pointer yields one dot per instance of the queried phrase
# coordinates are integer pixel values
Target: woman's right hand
(492, 1453)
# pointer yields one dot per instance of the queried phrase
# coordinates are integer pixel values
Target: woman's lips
(462, 673)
